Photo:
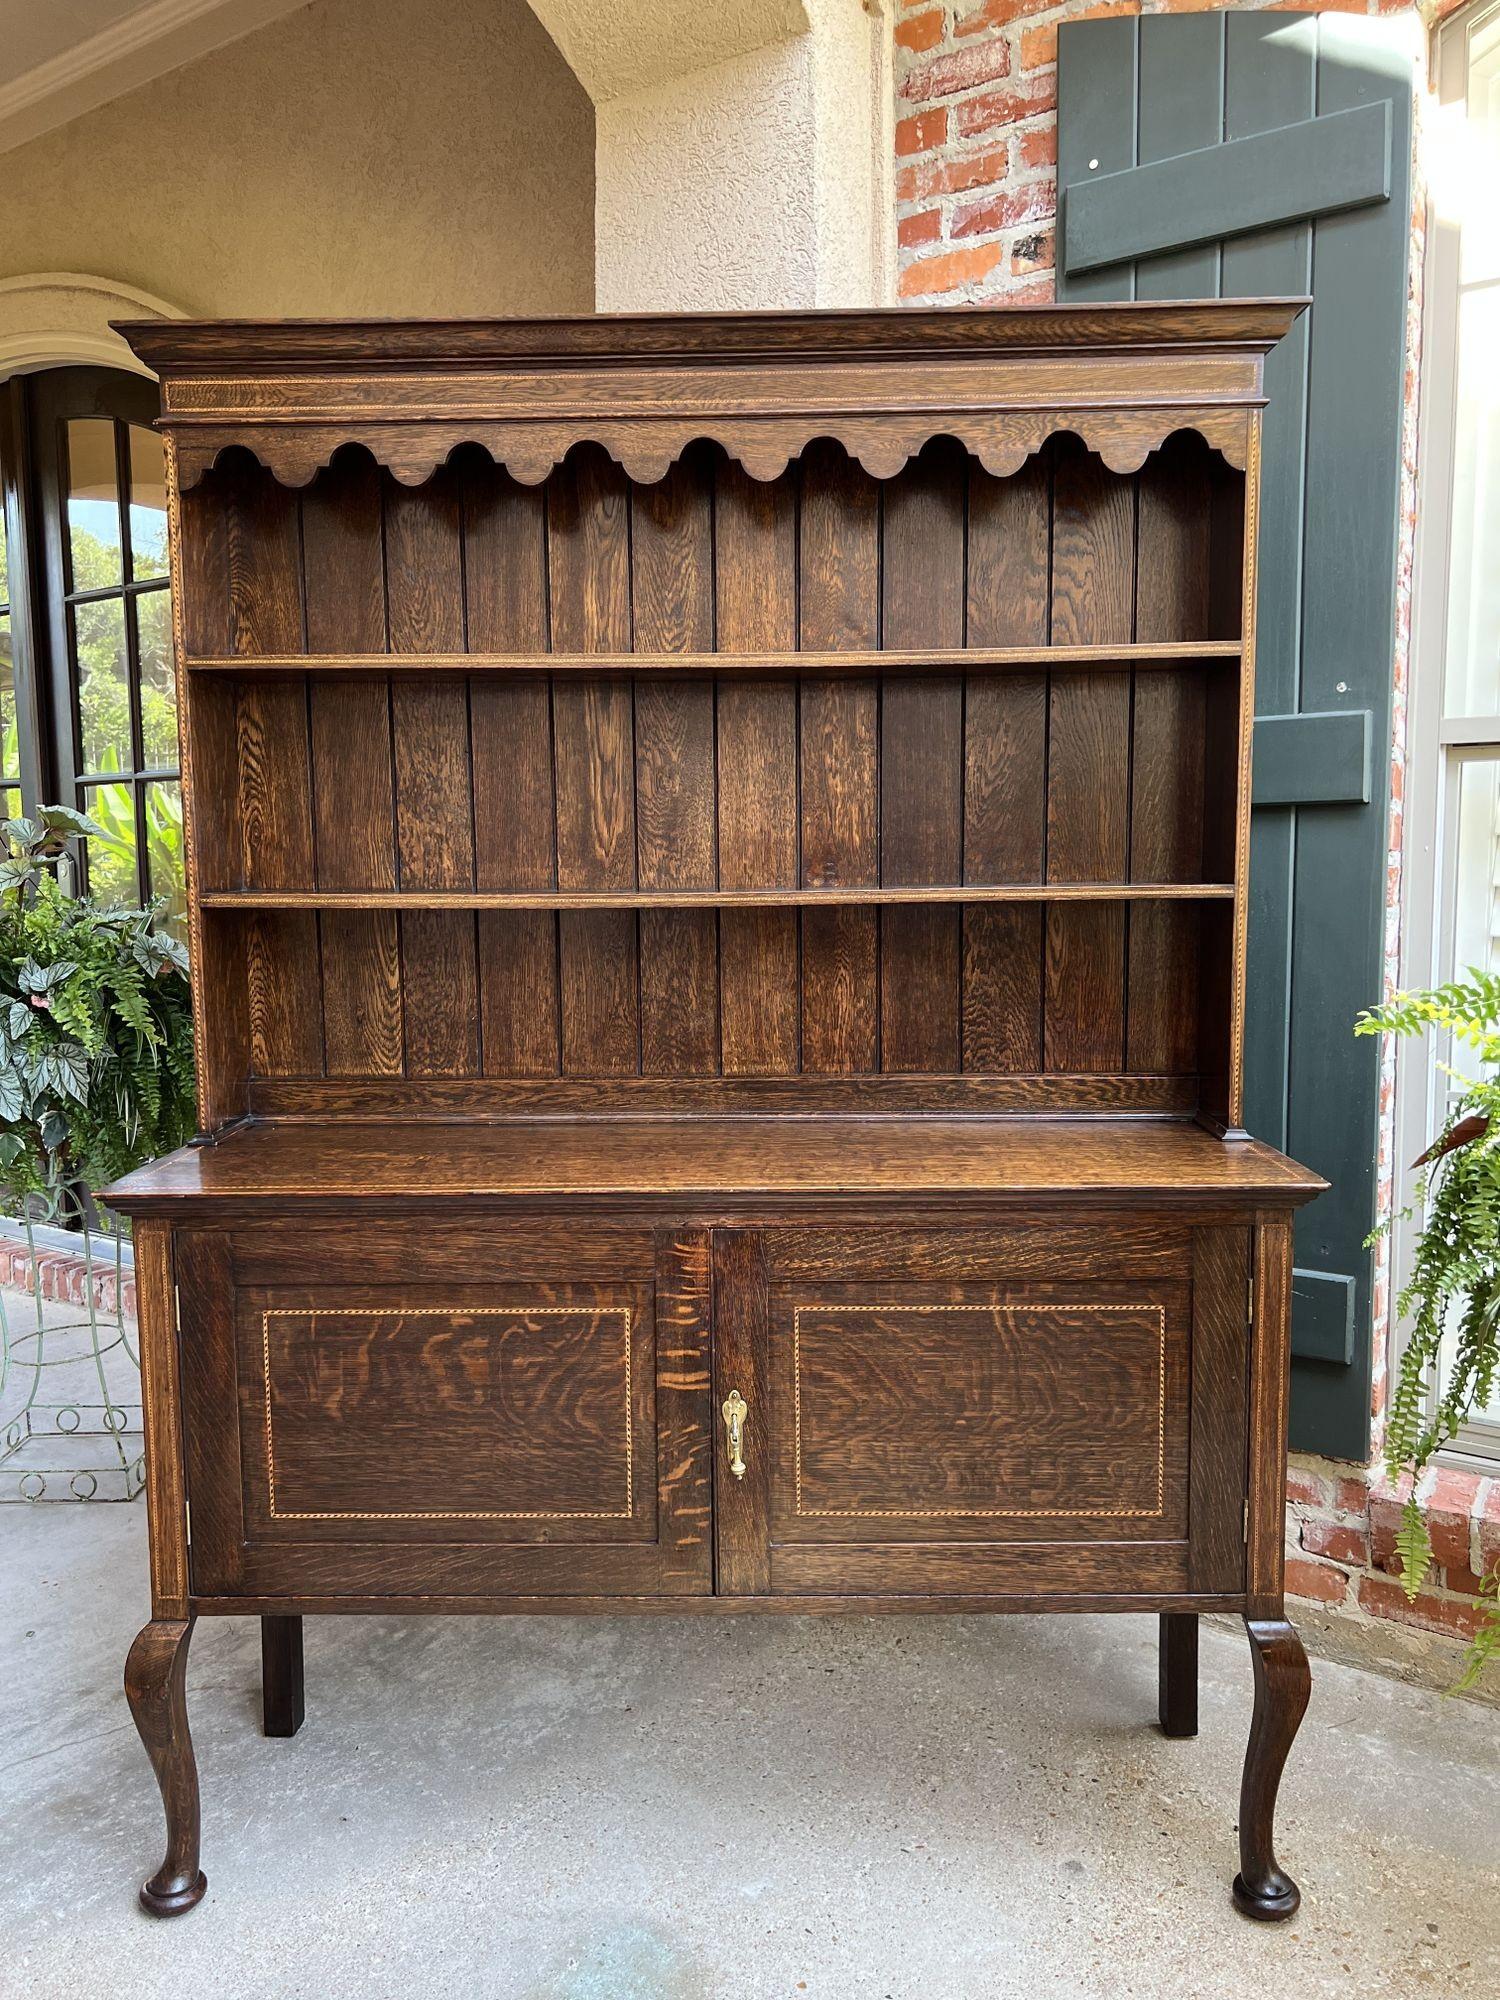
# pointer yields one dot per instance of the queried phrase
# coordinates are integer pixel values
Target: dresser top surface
(718, 1160)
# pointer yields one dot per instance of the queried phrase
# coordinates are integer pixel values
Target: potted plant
(96, 1076)
(1451, 1300)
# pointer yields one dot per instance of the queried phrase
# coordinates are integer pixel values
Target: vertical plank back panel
(1228, 700)
(1167, 769)
(921, 760)
(1005, 715)
(434, 809)
(1088, 778)
(755, 561)
(588, 539)
(505, 586)
(839, 605)
(1225, 692)
(265, 616)
(672, 584)
(203, 587)
(343, 560)
(1005, 765)
(275, 789)
(211, 802)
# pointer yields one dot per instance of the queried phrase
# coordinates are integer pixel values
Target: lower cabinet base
(1028, 1408)
(155, 1684)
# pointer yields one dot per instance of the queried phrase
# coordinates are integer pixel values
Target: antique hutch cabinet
(718, 902)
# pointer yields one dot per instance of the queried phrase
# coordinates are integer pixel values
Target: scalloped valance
(644, 448)
(881, 384)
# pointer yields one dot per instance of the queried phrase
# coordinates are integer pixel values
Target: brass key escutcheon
(735, 1409)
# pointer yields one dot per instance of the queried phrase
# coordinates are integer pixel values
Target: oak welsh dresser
(717, 861)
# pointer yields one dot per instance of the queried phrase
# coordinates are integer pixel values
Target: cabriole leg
(282, 1706)
(1177, 1674)
(156, 1688)
(1283, 1684)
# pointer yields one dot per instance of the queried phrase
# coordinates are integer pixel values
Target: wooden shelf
(995, 659)
(742, 1160)
(709, 899)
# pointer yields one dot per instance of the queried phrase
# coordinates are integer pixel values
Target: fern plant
(1453, 1291)
(96, 1046)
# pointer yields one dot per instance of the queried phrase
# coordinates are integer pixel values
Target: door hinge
(177, 1308)
(1245, 1523)
(187, 1520)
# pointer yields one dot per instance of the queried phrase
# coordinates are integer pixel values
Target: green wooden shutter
(1234, 154)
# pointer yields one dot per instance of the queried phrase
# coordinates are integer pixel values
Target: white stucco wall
(704, 193)
(632, 45)
(742, 153)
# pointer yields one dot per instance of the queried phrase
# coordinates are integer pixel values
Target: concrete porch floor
(682, 1809)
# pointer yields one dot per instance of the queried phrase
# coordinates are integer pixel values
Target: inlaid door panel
(951, 1412)
(973, 1410)
(529, 1418)
(509, 1417)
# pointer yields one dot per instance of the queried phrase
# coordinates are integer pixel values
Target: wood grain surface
(724, 1158)
(717, 777)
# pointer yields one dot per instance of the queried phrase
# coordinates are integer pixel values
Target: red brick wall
(1341, 1544)
(64, 1276)
(976, 139)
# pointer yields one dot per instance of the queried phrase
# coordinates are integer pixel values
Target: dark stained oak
(283, 1704)
(353, 780)
(717, 891)
(672, 608)
(840, 778)
(729, 772)
(156, 1688)
(1000, 382)
(657, 660)
(1015, 1595)
(689, 899)
(511, 751)
(209, 346)
(921, 750)
(1283, 1686)
(1177, 1674)
(1221, 1339)
(1016, 1160)
(755, 608)
(434, 817)
(846, 1094)
(588, 540)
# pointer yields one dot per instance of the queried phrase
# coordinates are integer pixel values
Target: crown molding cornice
(155, 38)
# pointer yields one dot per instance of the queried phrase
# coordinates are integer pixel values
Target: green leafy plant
(1452, 1297)
(96, 1046)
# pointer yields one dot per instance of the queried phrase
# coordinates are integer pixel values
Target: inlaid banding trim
(1144, 1308)
(622, 1313)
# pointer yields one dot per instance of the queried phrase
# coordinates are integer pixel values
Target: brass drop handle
(735, 1409)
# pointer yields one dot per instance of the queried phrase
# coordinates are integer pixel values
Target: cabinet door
(1052, 1409)
(439, 1410)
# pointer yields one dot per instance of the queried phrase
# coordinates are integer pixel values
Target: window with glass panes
(1453, 800)
(94, 501)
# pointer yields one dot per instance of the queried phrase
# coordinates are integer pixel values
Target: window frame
(1438, 745)
(17, 491)
(59, 397)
